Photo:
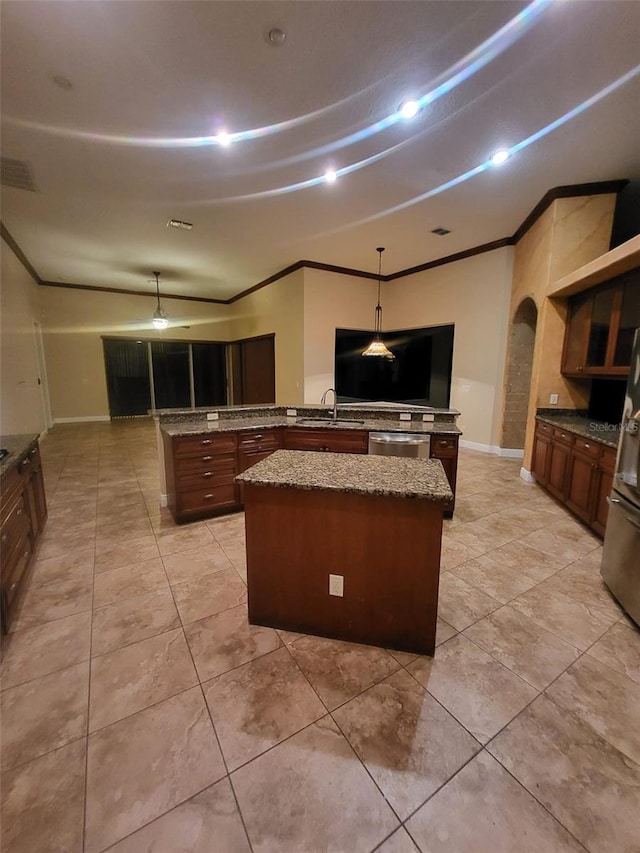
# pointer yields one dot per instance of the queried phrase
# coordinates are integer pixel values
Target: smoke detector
(440, 231)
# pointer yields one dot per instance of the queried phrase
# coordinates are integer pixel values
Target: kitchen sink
(327, 422)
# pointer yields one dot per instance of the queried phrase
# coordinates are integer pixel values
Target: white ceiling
(143, 72)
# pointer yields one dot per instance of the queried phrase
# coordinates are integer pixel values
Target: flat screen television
(419, 374)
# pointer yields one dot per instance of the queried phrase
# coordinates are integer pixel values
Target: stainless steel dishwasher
(411, 444)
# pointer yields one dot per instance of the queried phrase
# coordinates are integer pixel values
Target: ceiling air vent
(440, 231)
(17, 174)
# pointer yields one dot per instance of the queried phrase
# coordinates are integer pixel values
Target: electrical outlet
(336, 585)
(553, 399)
(405, 416)
(212, 416)
(428, 419)
(292, 413)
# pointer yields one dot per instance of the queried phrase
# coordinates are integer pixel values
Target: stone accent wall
(518, 385)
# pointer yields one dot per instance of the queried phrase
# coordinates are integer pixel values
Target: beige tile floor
(141, 712)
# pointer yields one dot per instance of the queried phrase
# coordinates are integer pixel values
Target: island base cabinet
(386, 549)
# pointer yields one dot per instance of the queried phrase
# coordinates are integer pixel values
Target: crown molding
(567, 191)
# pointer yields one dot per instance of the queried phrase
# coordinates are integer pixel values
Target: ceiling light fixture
(223, 138)
(499, 157)
(159, 319)
(330, 176)
(377, 346)
(276, 36)
(409, 109)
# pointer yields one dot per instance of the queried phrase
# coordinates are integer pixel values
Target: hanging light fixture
(377, 346)
(159, 319)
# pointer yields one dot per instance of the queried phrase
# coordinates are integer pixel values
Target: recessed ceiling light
(440, 231)
(223, 138)
(330, 176)
(276, 36)
(499, 157)
(409, 109)
(178, 223)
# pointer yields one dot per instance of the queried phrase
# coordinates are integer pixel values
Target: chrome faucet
(323, 401)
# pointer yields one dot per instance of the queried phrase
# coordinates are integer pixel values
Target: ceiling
(103, 100)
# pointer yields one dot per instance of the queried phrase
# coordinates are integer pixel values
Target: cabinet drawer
(259, 440)
(197, 500)
(12, 485)
(14, 522)
(219, 475)
(187, 465)
(586, 447)
(195, 445)
(562, 436)
(14, 567)
(443, 446)
(545, 429)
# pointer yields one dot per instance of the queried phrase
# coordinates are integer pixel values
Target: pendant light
(159, 319)
(377, 346)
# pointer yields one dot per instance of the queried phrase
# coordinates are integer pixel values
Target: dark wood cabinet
(600, 328)
(604, 484)
(542, 452)
(445, 448)
(23, 513)
(201, 471)
(254, 446)
(559, 457)
(575, 470)
(329, 439)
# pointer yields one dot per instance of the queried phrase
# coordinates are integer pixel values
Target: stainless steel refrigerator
(621, 554)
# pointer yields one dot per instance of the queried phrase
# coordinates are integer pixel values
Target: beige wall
(332, 301)
(474, 295)
(277, 308)
(570, 233)
(76, 320)
(21, 409)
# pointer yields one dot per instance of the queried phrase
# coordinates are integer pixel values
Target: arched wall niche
(522, 337)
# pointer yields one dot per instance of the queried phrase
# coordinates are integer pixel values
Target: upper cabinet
(600, 328)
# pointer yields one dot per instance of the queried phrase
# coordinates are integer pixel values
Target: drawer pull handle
(208, 497)
(4, 537)
(206, 441)
(13, 586)
(208, 474)
(34, 451)
(206, 458)
(19, 511)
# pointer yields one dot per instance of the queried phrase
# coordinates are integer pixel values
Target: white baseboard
(527, 476)
(493, 448)
(511, 453)
(164, 500)
(84, 420)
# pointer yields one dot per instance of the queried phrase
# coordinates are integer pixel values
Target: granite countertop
(16, 445)
(311, 408)
(352, 472)
(584, 426)
(179, 428)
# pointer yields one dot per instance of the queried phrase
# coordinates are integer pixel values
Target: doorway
(253, 371)
(522, 339)
(43, 383)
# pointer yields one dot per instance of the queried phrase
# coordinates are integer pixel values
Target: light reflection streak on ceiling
(457, 74)
(514, 149)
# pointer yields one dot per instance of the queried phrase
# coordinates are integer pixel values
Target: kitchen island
(346, 546)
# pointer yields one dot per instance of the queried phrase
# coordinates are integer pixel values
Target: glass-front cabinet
(600, 327)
